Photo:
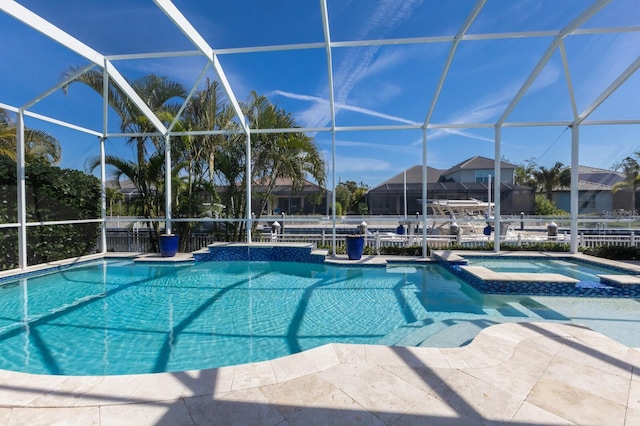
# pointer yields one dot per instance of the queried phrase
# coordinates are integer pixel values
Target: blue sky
(374, 85)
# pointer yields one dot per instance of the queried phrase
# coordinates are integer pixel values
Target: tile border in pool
(491, 285)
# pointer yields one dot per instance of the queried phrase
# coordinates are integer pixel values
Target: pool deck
(515, 373)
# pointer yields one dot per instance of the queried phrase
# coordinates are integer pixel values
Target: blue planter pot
(355, 246)
(168, 245)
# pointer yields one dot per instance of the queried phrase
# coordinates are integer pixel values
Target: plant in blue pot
(355, 242)
(168, 244)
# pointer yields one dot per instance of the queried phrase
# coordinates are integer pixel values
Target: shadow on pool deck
(517, 373)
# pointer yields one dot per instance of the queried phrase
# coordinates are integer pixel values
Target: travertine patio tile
(68, 392)
(555, 374)
(550, 329)
(322, 357)
(167, 413)
(244, 407)
(5, 413)
(476, 399)
(588, 379)
(292, 366)
(350, 354)
(130, 388)
(468, 357)
(20, 390)
(634, 396)
(376, 389)
(253, 375)
(433, 410)
(206, 382)
(518, 381)
(500, 350)
(311, 400)
(423, 357)
(543, 344)
(529, 357)
(83, 416)
(531, 414)
(456, 357)
(425, 379)
(383, 355)
(632, 418)
(633, 357)
(513, 332)
(574, 404)
(610, 360)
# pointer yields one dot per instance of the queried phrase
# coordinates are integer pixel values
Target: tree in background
(524, 174)
(555, 177)
(39, 145)
(631, 169)
(206, 169)
(351, 196)
(146, 172)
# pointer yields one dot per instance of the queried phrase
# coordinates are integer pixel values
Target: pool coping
(525, 372)
(487, 281)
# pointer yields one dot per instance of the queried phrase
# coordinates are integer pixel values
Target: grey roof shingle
(478, 163)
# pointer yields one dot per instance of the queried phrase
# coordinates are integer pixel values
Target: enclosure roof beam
(569, 29)
(188, 30)
(609, 90)
(327, 43)
(57, 86)
(45, 27)
(454, 46)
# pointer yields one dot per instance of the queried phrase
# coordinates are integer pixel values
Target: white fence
(140, 242)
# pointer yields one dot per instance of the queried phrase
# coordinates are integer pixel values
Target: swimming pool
(116, 317)
(583, 271)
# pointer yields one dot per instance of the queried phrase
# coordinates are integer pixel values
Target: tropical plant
(39, 145)
(547, 180)
(524, 174)
(206, 169)
(52, 194)
(631, 170)
(351, 195)
(146, 172)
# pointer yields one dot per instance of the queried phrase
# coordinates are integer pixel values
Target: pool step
(454, 332)
(456, 335)
(448, 333)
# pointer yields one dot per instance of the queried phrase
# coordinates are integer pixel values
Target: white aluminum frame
(203, 48)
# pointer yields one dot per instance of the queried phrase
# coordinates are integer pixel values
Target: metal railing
(131, 241)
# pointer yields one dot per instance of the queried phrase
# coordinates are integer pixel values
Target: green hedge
(52, 194)
(615, 252)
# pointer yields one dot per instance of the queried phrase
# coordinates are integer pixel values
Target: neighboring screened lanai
(377, 86)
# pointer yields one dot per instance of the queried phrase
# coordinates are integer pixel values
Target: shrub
(615, 252)
(51, 194)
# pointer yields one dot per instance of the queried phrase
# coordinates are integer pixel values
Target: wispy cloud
(352, 165)
(356, 65)
(614, 53)
(307, 119)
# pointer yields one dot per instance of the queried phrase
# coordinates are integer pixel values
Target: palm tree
(156, 91)
(524, 174)
(547, 180)
(281, 155)
(39, 145)
(631, 170)
(147, 171)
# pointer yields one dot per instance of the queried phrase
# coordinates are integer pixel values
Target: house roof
(478, 163)
(283, 186)
(414, 175)
(438, 187)
(599, 176)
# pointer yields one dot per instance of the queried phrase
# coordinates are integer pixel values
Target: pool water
(585, 272)
(117, 317)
